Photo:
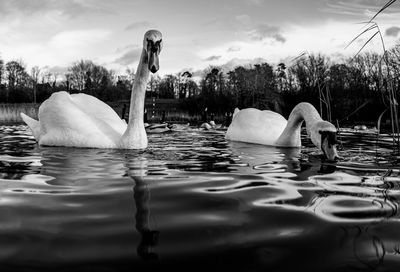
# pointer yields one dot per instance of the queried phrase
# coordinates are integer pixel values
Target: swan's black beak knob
(153, 62)
(153, 69)
(153, 49)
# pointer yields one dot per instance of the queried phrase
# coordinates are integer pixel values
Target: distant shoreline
(10, 112)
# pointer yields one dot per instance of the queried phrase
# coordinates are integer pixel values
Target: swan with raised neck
(135, 136)
(270, 128)
(81, 120)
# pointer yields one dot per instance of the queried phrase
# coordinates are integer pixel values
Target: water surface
(193, 201)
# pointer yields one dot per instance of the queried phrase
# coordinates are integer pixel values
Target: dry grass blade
(376, 33)
(380, 120)
(302, 54)
(362, 33)
(356, 110)
(388, 4)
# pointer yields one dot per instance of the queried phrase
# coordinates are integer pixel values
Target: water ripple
(192, 187)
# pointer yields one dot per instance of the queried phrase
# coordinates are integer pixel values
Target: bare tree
(16, 74)
(1, 70)
(35, 72)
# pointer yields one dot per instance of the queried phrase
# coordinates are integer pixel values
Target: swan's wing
(32, 124)
(235, 112)
(97, 108)
(255, 126)
(64, 123)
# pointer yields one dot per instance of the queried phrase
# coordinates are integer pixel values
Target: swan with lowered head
(270, 128)
(81, 120)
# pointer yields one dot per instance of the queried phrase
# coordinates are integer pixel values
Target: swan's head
(152, 43)
(323, 135)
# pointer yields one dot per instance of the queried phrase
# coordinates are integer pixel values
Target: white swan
(270, 128)
(159, 128)
(208, 126)
(81, 120)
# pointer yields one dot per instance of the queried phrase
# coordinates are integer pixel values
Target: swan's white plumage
(32, 124)
(81, 120)
(270, 128)
(255, 126)
(78, 120)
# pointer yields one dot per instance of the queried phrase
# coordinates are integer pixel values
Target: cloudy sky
(196, 33)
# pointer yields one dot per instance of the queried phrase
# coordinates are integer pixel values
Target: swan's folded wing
(33, 125)
(254, 126)
(62, 123)
(97, 108)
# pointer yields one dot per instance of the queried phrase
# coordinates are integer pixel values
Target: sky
(53, 34)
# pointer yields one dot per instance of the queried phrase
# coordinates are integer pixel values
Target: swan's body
(158, 128)
(270, 128)
(360, 127)
(81, 120)
(76, 120)
(210, 126)
(255, 126)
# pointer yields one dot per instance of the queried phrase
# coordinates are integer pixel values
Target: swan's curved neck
(138, 95)
(135, 134)
(291, 134)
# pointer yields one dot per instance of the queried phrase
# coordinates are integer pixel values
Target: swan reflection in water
(103, 177)
(141, 194)
(278, 159)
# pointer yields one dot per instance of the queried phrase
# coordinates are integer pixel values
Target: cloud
(78, 38)
(212, 58)
(125, 48)
(236, 62)
(136, 25)
(229, 66)
(358, 7)
(40, 7)
(129, 57)
(265, 31)
(58, 70)
(392, 31)
(255, 2)
(234, 48)
(244, 19)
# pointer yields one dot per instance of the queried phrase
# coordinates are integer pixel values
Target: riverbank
(10, 113)
(155, 108)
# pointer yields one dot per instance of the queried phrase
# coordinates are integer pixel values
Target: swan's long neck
(135, 134)
(291, 134)
(138, 95)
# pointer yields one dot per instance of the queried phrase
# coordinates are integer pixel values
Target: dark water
(195, 202)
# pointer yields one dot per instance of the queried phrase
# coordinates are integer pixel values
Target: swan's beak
(153, 50)
(153, 62)
(328, 146)
(330, 153)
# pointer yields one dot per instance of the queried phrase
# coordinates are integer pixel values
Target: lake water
(195, 202)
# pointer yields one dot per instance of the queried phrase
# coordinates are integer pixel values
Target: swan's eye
(159, 44)
(330, 136)
(152, 46)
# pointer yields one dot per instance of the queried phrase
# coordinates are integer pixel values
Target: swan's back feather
(95, 107)
(33, 125)
(256, 126)
(235, 112)
(67, 120)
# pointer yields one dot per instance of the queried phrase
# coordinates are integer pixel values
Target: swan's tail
(235, 112)
(32, 124)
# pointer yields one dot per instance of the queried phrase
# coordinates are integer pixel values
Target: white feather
(255, 126)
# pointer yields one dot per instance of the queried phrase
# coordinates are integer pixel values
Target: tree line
(353, 89)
